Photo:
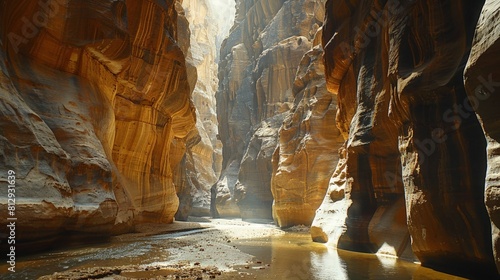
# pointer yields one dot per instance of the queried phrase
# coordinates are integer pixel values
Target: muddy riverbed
(214, 249)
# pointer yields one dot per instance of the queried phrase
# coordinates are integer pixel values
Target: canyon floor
(215, 249)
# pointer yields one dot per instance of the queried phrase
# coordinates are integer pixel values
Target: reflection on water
(289, 256)
(294, 256)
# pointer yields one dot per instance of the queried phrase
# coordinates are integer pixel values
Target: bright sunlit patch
(387, 261)
(387, 250)
(326, 266)
(387, 255)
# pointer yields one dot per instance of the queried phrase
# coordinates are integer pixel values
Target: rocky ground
(206, 252)
(214, 249)
(180, 271)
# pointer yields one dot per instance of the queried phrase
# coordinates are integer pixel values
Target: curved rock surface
(204, 157)
(306, 156)
(95, 104)
(236, 94)
(257, 71)
(253, 190)
(414, 161)
(482, 81)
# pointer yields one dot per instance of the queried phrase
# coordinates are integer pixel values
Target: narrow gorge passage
(220, 249)
(255, 139)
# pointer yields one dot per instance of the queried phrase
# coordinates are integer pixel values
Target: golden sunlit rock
(370, 125)
(95, 104)
(308, 146)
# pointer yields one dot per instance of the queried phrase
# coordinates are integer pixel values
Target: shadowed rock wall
(415, 160)
(482, 81)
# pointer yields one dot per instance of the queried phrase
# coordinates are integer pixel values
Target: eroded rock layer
(204, 154)
(308, 146)
(412, 148)
(258, 67)
(236, 94)
(95, 104)
(482, 81)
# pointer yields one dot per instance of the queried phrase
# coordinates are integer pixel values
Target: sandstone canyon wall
(415, 159)
(208, 22)
(482, 81)
(272, 94)
(388, 109)
(307, 152)
(94, 111)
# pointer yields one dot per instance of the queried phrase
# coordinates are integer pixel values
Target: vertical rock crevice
(207, 22)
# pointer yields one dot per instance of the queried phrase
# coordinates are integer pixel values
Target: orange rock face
(95, 103)
(412, 150)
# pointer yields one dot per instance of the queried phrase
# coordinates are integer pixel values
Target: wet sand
(215, 249)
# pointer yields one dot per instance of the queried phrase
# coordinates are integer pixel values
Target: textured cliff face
(397, 70)
(308, 146)
(258, 65)
(235, 96)
(204, 157)
(482, 80)
(274, 72)
(95, 103)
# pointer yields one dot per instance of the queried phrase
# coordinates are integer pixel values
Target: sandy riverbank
(202, 249)
(216, 249)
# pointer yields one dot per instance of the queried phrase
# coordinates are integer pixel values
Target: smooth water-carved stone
(397, 69)
(95, 107)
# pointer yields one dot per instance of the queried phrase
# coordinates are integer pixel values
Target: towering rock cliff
(415, 157)
(204, 153)
(307, 152)
(482, 81)
(94, 109)
(258, 84)
(236, 97)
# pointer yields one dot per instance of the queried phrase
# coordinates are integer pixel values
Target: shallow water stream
(294, 256)
(240, 250)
